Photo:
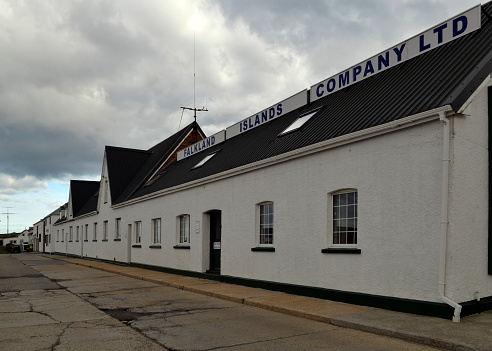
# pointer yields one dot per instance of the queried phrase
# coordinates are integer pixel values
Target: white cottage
(372, 187)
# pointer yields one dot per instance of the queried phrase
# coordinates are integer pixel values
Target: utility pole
(8, 213)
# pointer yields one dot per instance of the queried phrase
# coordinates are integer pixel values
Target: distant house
(11, 238)
(17, 238)
(372, 187)
(25, 237)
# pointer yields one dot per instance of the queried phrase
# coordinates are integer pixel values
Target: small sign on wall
(197, 227)
(217, 245)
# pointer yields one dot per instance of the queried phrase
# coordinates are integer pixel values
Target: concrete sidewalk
(472, 333)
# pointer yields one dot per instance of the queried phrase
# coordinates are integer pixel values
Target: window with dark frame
(345, 218)
(156, 229)
(117, 234)
(138, 232)
(105, 230)
(266, 223)
(184, 229)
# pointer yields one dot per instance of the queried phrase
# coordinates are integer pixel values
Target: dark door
(215, 242)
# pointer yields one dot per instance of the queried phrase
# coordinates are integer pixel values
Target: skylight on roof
(204, 160)
(154, 178)
(298, 123)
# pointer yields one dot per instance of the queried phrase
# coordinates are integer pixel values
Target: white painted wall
(468, 204)
(398, 178)
(38, 236)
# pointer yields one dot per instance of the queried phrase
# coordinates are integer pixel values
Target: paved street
(37, 314)
(48, 304)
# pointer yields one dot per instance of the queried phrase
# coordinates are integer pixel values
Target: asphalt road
(79, 308)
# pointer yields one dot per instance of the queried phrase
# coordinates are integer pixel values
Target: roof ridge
(118, 148)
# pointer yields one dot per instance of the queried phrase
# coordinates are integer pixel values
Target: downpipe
(444, 217)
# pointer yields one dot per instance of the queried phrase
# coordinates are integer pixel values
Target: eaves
(90, 214)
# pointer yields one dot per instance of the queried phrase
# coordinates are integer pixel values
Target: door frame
(212, 217)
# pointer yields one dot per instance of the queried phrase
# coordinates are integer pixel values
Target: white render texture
(398, 178)
(468, 204)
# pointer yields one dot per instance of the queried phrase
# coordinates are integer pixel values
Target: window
(266, 223)
(71, 234)
(57, 235)
(94, 235)
(345, 218)
(156, 231)
(106, 191)
(184, 229)
(138, 232)
(204, 160)
(77, 233)
(105, 230)
(63, 235)
(298, 123)
(117, 224)
(86, 232)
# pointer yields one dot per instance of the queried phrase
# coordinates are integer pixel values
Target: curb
(250, 301)
(411, 337)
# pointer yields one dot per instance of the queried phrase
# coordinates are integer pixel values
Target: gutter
(402, 123)
(444, 216)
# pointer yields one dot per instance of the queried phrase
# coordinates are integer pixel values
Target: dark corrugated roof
(82, 191)
(89, 206)
(57, 211)
(123, 164)
(447, 75)
(156, 156)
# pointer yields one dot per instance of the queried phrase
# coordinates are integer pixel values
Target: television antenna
(8, 213)
(194, 88)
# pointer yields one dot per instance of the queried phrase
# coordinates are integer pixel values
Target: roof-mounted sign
(422, 43)
(275, 111)
(202, 145)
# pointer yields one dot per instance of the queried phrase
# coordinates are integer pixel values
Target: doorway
(215, 241)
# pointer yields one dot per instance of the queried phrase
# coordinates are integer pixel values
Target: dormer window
(298, 123)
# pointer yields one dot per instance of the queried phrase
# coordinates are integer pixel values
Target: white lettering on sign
(275, 111)
(422, 43)
(217, 245)
(202, 145)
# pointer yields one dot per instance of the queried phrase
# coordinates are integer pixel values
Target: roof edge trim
(78, 217)
(475, 93)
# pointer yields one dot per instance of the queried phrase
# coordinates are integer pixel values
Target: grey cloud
(47, 153)
(79, 75)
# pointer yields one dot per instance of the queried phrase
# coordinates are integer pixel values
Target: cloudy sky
(78, 75)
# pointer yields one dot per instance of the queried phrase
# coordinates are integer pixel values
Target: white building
(42, 230)
(378, 194)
